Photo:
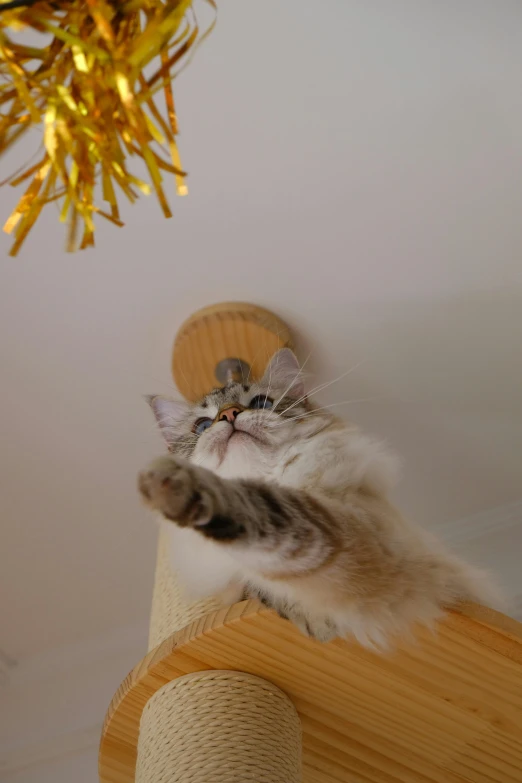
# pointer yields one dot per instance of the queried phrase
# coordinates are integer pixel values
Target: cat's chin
(245, 435)
(228, 444)
(240, 440)
(239, 436)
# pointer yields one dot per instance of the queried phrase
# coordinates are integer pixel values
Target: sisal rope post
(211, 726)
(219, 727)
(171, 609)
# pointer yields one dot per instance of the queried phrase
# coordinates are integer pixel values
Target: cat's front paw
(321, 628)
(170, 486)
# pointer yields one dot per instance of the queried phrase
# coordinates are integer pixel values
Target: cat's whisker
(164, 422)
(269, 381)
(158, 426)
(326, 407)
(262, 347)
(320, 387)
(186, 381)
(243, 375)
(296, 376)
(325, 385)
(298, 373)
(187, 442)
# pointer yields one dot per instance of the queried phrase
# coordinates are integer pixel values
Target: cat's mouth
(238, 434)
(237, 437)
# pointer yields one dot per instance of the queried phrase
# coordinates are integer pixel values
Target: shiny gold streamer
(93, 90)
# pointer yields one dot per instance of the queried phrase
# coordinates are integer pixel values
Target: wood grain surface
(446, 708)
(231, 330)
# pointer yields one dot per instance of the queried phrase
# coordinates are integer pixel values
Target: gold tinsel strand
(88, 90)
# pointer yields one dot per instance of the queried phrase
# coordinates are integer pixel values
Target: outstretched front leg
(276, 532)
(268, 517)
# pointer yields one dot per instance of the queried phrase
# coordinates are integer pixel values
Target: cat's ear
(168, 414)
(284, 374)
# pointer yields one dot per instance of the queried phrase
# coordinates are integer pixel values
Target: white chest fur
(204, 566)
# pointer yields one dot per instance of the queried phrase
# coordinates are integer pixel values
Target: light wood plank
(443, 710)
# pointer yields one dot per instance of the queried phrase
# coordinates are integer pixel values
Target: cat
(275, 499)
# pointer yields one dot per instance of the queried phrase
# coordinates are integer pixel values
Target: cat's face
(250, 421)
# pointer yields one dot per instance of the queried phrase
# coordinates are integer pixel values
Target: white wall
(53, 706)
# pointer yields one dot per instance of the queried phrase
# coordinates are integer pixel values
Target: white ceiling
(357, 168)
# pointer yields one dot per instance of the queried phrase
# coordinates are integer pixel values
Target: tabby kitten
(275, 499)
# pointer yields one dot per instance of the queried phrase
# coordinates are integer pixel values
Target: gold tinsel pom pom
(94, 89)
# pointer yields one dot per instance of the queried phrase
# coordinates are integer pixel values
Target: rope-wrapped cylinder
(212, 726)
(219, 727)
(171, 608)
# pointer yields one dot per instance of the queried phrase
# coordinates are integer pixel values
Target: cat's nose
(229, 414)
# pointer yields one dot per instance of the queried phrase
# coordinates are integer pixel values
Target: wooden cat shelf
(445, 710)
(238, 695)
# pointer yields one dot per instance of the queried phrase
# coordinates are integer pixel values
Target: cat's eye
(261, 401)
(201, 425)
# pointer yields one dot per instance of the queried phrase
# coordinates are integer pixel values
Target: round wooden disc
(231, 330)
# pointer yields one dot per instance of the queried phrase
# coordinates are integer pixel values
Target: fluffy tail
(461, 582)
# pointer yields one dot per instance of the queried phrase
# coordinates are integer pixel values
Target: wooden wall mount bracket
(227, 331)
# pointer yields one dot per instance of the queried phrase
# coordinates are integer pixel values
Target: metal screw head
(229, 370)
